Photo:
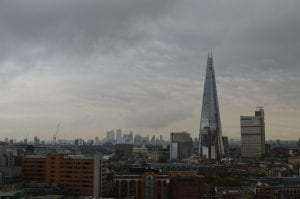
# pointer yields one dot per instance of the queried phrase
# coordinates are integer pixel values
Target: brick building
(179, 184)
(34, 168)
(76, 174)
(187, 185)
(146, 185)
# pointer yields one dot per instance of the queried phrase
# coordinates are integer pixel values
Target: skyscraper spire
(210, 55)
(210, 135)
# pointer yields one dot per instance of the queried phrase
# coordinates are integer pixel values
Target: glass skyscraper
(210, 135)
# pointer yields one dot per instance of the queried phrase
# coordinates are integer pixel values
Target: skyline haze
(140, 66)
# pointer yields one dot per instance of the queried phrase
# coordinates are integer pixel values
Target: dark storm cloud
(138, 64)
(73, 25)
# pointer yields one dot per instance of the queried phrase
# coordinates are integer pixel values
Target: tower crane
(55, 133)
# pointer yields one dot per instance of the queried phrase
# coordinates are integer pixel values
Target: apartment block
(76, 174)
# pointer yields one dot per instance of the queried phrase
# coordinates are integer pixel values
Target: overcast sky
(139, 65)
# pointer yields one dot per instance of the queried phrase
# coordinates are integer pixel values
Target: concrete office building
(181, 145)
(253, 134)
(10, 169)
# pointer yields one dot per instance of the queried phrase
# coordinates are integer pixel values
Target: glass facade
(210, 135)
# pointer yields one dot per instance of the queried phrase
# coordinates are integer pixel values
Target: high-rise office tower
(119, 136)
(110, 135)
(225, 145)
(253, 134)
(181, 145)
(210, 138)
(36, 140)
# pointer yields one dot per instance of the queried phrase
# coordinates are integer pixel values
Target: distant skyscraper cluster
(119, 137)
(210, 135)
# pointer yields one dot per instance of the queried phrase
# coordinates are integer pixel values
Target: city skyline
(140, 66)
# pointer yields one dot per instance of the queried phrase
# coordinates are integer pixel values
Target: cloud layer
(139, 65)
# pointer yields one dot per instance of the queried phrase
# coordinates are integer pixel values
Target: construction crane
(55, 133)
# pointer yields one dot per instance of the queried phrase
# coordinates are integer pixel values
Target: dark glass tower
(210, 137)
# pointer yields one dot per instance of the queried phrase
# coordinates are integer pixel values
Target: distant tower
(253, 134)
(119, 136)
(210, 137)
(110, 136)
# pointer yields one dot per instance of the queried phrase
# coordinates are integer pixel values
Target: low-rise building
(179, 184)
(186, 185)
(146, 185)
(295, 161)
(278, 192)
(124, 151)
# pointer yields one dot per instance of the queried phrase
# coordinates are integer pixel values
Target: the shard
(210, 135)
